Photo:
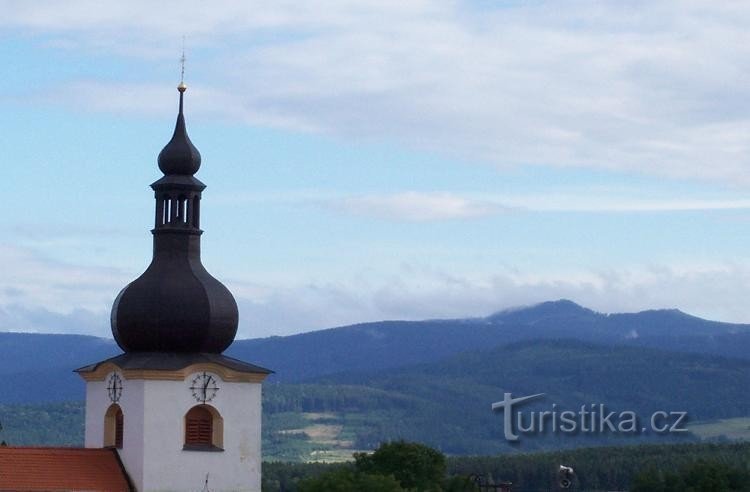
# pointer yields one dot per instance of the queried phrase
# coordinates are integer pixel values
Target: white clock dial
(114, 387)
(204, 387)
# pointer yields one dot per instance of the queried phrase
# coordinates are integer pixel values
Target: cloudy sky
(378, 159)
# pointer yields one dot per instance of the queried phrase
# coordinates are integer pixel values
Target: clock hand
(205, 387)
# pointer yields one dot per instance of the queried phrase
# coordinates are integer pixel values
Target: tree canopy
(393, 467)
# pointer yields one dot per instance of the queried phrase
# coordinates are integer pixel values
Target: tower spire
(176, 305)
(181, 86)
(180, 156)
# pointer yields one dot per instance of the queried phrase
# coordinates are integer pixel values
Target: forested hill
(38, 367)
(447, 404)
(387, 344)
(571, 374)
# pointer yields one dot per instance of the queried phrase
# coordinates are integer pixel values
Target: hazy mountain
(20, 352)
(447, 403)
(38, 367)
(386, 344)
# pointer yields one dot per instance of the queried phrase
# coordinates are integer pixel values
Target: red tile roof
(61, 469)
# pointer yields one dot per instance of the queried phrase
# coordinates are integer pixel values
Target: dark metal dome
(180, 156)
(176, 305)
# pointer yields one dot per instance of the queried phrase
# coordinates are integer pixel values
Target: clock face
(114, 387)
(204, 387)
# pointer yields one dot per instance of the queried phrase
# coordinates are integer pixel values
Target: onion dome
(180, 156)
(176, 305)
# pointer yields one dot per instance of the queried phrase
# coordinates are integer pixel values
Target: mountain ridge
(30, 360)
(447, 403)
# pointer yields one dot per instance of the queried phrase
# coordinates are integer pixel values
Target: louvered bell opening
(198, 427)
(118, 429)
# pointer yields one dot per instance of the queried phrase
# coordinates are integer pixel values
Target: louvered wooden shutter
(118, 429)
(198, 427)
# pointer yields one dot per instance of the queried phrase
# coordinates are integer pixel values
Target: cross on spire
(182, 63)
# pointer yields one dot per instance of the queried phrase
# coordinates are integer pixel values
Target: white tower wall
(154, 432)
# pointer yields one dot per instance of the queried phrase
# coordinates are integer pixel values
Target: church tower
(182, 416)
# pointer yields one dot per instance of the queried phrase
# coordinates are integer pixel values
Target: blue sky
(377, 160)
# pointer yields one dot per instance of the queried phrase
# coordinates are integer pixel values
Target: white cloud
(434, 206)
(711, 291)
(39, 320)
(595, 202)
(44, 295)
(41, 295)
(651, 87)
(416, 206)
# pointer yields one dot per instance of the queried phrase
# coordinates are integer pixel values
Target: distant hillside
(39, 367)
(387, 344)
(26, 351)
(30, 362)
(46, 424)
(447, 403)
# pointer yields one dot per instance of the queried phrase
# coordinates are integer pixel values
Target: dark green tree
(709, 476)
(460, 483)
(701, 476)
(346, 480)
(650, 480)
(415, 466)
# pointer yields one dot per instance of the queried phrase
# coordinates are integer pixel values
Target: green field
(324, 437)
(724, 429)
